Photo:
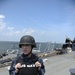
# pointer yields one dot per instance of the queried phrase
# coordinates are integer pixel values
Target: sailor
(73, 44)
(68, 40)
(27, 63)
(73, 40)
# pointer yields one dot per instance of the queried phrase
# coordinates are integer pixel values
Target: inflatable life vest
(27, 68)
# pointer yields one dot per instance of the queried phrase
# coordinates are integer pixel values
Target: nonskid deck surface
(55, 65)
(60, 64)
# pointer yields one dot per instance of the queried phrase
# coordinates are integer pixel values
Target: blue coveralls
(14, 62)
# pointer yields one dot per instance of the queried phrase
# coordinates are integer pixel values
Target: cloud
(2, 23)
(28, 31)
(2, 26)
(13, 32)
(6, 30)
(10, 28)
(2, 16)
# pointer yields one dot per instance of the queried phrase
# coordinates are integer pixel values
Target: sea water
(42, 46)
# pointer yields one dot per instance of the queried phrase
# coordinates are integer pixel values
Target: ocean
(42, 46)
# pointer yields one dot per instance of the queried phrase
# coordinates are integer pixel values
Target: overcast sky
(45, 20)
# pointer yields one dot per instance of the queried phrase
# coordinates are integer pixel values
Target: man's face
(26, 48)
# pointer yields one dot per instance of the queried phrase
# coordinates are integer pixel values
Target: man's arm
(42, 69)
(12, 67)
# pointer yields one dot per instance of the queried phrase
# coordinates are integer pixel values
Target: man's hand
(38, 64)
(17, 66)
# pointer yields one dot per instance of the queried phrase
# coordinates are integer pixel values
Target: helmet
(68, 40)
(27, 39)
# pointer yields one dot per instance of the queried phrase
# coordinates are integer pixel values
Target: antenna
(66, 36)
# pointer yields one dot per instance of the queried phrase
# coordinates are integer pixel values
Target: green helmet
(27, 39)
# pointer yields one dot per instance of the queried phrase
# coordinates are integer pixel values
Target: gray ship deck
(55, 65)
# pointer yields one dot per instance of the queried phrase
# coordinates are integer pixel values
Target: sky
(45, 20)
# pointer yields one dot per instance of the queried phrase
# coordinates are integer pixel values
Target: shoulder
(16, 59)
(38, 58)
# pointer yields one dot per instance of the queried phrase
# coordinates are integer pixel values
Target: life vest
(27, 67)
